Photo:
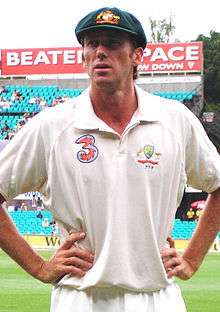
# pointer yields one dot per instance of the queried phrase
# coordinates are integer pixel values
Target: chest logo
(148, 156)
(89, 151)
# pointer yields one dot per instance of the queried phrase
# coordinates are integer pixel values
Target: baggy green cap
(112, 18)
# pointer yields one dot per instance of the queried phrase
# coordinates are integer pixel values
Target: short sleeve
(202, 158)
(23, 161)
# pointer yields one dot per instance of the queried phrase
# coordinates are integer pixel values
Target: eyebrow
(115, 35)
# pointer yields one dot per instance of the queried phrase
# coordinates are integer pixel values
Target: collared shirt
(123, 191)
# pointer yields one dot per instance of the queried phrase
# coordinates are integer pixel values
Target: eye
(113, 43)
(93, 43)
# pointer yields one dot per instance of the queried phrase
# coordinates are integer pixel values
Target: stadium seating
(28, 223)
(179, 96)
(22, 105)
(51, 93)
(32, 99)
(183, 229)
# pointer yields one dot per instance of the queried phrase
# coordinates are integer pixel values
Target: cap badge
(107, 17)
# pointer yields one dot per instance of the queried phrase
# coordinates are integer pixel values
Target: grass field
(21, 293)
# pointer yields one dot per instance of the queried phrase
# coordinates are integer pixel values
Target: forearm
(206, 231)
(16, 247)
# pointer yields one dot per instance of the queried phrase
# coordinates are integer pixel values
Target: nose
(101, 52)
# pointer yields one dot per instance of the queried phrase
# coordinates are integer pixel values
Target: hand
(68, 259)
(174, 264)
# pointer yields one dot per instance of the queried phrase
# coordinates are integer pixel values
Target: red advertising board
(41, 61)
(175, 57)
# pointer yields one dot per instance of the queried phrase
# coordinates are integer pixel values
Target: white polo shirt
(122, 190)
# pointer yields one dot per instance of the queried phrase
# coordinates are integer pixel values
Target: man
(112, 166)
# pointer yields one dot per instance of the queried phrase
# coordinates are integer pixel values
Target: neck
(114, 107)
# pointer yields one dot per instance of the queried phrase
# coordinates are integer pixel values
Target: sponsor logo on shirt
(88, 152)
(148, 157)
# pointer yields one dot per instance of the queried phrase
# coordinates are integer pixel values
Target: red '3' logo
(89, 151)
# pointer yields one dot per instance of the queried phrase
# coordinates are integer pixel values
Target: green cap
(112, 18)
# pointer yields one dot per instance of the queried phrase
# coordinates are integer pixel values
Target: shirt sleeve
(23, 161)
(202, 158)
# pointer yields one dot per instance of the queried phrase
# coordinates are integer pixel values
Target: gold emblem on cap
(107, 17)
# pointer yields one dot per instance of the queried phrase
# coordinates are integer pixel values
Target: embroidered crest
(89, 151)
(107, 17)
(148, 157)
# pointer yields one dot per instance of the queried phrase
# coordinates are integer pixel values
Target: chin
(103, 80)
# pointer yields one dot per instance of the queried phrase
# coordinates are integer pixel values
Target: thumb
(71, 239)
(171, 242)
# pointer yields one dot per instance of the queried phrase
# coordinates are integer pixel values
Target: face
(109, 57)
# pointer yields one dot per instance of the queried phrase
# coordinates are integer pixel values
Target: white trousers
(113, 299)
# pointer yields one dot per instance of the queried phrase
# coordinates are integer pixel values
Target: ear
(137, 56)
(83, 57)
(83, 60)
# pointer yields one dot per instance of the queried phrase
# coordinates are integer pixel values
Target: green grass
(202, 291)
(21, 293)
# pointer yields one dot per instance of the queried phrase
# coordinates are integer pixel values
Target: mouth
(102, 67)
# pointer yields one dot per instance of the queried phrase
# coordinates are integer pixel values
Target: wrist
(39, 272)
(194, 265)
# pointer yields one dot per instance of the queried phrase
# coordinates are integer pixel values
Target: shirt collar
(85, 117)
(148, 109)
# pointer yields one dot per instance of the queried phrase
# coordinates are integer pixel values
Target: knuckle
(69, 239)
(166, 265)
(174, 252)
(73, 237)
(73, 250)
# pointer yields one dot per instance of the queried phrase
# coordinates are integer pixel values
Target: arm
(207, 229)
(67, 259)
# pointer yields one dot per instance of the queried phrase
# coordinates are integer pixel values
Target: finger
(79, 263)
(83, 254)
(170, 273)
(174, 271)
(171, 263)
(73, 270)
(171, 242)
(168, 252)
(179, 272)
(71, 239)
(78, 252)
